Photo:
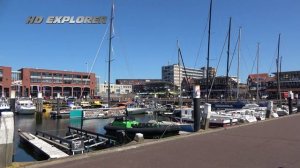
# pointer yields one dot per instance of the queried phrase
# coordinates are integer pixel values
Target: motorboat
(259, 112)
(281, 111)
(184, 114)
(243, 115)
(64, 112)
(4, 106)
(85, 104)
(25, 106)
(47, 106)
(134, 108)
(149, 130)
(221, 119)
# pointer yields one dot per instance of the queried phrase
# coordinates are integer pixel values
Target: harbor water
(59, 127)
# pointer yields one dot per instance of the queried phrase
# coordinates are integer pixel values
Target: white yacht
(243, 115)
(259, 112)
(217, 119)
(184, 114)
(133, 109)
(4, 106)
(281, 111)
(25, 106)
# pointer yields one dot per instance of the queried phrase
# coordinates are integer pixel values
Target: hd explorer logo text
(67, 20)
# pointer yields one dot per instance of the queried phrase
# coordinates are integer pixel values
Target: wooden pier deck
(43, 146)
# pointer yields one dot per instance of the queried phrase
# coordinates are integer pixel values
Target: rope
(217, 65)
(233, 53)
(96, 56)
(165, 130)
(198, 52)
(273, 60)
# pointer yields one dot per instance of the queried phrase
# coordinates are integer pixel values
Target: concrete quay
(274, 143)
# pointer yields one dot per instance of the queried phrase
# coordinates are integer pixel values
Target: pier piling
(197, 110)
(269, 109)
(290, 98)
(39, 103)
(196, 114)
(12, 101)
(298, 105)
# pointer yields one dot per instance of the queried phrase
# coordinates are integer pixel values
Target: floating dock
(44, 147)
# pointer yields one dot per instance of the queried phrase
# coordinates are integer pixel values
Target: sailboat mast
(109, 51)
(257, 78)
(278, 73)
(179, 67)
(208, 51)
(238, 70)
(228, 53)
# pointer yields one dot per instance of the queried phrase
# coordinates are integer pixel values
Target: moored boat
(4, 106)
(64, 112)
(149, 130)
(25, 106)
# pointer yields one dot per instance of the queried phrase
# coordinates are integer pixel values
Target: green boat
(149, 130)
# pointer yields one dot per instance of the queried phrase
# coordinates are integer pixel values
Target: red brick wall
(6, 80)
(26, 79)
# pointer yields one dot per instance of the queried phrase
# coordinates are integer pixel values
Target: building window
(35, 74)
(1, 75)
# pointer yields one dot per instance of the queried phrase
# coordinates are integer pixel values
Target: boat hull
(26, 111)
(147, 130)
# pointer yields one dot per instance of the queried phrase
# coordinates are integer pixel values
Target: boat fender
(139, 137)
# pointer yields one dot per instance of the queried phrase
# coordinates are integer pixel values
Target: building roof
(283, 72)
(263, 77)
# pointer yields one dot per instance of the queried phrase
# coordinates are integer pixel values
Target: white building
(115, 88)
(171, 73)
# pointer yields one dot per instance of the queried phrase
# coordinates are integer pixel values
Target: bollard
(269, 109)
(207, 110)
(139, 137)
(6, 138)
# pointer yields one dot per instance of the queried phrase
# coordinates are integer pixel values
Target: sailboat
(131, 127)
(279, 109)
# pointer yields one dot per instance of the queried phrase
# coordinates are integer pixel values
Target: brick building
(30, 81)
(5, 81)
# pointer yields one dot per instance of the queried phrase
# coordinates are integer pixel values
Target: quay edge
(138, 145)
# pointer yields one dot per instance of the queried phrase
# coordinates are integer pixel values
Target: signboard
(78, 145)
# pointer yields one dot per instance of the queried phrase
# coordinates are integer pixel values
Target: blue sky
(145, 35)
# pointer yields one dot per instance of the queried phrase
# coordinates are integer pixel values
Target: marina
(90, 134)
(86, 98)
